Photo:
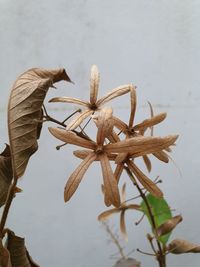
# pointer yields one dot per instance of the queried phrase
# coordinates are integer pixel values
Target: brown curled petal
(82, 154)
(180, 246)
(133, 105)
(141, 145)
(123, 226)
(121, 157)
(133, 207)
(119, 91)
(150, 122)
(71, 138)
(123, 194)
(110, 184)
(161, 155)
(168, 149)
(150, 186)
(94, 84)
(119, 124)
(147, 162)
(76, 177)
(77, 120)
(118, 171)
(106, 214)
(70, 100)
(104, 124)
(106, 199)
(169, 225)
(152, 114)
(113, 137)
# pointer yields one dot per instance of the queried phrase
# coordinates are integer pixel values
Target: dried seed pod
(169, 225)
(180, 246)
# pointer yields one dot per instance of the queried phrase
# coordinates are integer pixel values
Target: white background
(152, 44)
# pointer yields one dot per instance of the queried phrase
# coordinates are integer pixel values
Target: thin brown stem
(160, 254)
(10, 196)
(114, 239)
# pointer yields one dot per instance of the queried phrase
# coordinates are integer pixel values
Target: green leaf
(161, 212)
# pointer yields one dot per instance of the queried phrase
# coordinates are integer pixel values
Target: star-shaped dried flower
(103, 152)
(131, 130)
(94, 104)
(122, 209)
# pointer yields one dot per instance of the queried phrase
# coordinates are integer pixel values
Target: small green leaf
(161, 212)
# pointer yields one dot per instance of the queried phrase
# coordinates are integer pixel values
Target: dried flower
(94, 104)
(122, 209)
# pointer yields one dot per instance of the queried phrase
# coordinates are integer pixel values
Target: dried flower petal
(110, 183)
(104, 124)
(119, 91)
(72, 100)
(71, 138)
(94, 84)
(147, 162)
(141, 145)
(77, 120)
(161, 155)
(133, 106)
(76, 177)
(150, 122)
(106, 214)
(123, 226)
(118, 171)
(144, 180)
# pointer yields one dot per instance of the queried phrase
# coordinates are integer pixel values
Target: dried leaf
(150, 122)
(76, 177)
(147, 162)
(6, 174)
(71, 138)
(119, 91)
(18, 253)
(72, 100)
(94, 84)
(169, 225)
(133, 106)
(145, 181)
(110, 183)
(139, 146)
(106, 214)
(4, 256)
(161, 155)
(77, 120)
(180, 246)
(24, 113)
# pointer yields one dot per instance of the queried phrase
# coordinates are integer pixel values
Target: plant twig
(160, 254)
(114, 239)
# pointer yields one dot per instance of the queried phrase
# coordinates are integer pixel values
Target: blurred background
(152, 44)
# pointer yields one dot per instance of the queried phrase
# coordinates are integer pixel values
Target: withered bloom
(122, 209)
(94, 104)
(131, 130)
(104, 152)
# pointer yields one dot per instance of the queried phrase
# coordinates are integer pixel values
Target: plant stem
(10, 196)
(160, 254)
